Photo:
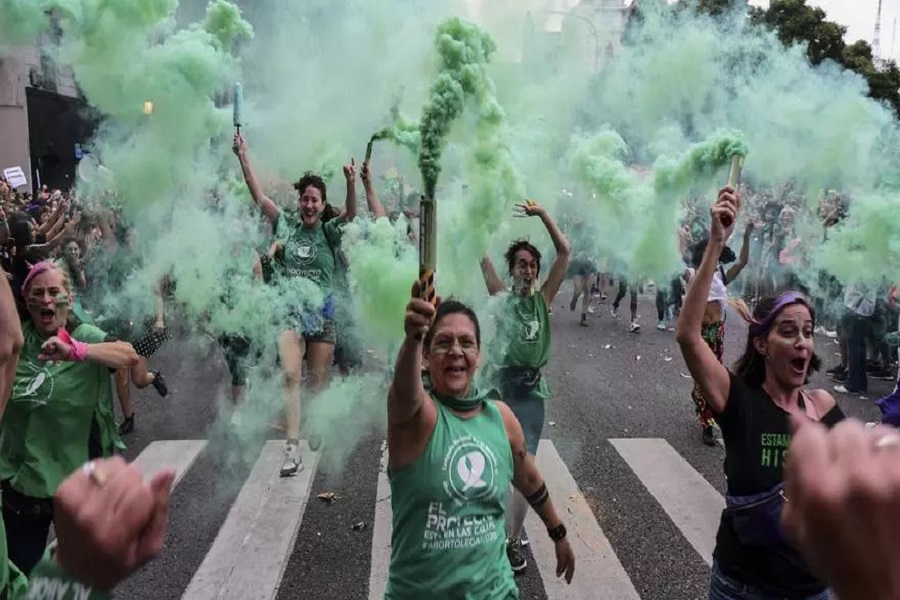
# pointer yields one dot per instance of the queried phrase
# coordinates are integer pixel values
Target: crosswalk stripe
(179, 454)
(690, 501)
(247, 559)
(598, 572)
(381, 532)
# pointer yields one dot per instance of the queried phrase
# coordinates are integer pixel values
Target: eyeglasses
(445, 345)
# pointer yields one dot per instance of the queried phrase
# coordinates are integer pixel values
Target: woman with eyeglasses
(453, 453)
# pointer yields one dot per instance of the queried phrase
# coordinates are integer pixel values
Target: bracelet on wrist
(558, 533)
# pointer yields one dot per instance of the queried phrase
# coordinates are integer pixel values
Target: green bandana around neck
(462, 404)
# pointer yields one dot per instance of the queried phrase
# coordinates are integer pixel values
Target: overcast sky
(859, 17)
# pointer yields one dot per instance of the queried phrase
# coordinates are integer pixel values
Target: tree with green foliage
(796, 22)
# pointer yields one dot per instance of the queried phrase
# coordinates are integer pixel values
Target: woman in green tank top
(453, 455)
(522, 347)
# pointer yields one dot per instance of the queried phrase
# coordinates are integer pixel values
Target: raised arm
(53, 222)
(743, 259)
(269, 209)
(491, 279)
(407, 393)
(563, 250)
(372, 201)
(707, 371)
(530, 483)
(350, 203)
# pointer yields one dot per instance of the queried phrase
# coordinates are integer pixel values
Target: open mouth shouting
(799, 366)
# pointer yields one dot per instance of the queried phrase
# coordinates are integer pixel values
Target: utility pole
(876, 43)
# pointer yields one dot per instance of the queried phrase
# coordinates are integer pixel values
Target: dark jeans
(856, 330)
(27, 521)
(623, 285)
(722, 587)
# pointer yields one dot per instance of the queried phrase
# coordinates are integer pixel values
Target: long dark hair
(751, 367)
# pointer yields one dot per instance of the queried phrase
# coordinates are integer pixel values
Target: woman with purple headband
(754, 404)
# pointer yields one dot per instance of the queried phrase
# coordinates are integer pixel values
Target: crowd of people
(464, 420)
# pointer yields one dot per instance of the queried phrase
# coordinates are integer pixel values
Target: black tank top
(757, 434)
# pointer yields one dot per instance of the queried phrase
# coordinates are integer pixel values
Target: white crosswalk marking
(179, 454)
(690, 501)
(598, 573)
(247, 559)
(381, 532)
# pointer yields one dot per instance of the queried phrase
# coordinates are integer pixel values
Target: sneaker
(590, 309)
(159, 384)
(836, 370)
(614, 311)
(839, 377)
(292, 463)
(634, 327)
(830, 334)
(236, 419)
(127, 425)
(840, 389)
(584, 322)
(661, 325)
(573, 303)
(514, 554)
(602, 297)
(883, 375)
(709, 436)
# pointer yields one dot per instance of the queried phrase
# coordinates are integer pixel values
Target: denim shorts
(723, 587)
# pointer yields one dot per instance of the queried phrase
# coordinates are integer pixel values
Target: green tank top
(523, 336)
(448, 538)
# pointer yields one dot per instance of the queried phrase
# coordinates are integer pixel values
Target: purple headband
(760, 328)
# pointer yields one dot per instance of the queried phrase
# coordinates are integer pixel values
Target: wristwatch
(557, 533)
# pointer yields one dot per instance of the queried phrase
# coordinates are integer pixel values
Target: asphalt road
(608, 384)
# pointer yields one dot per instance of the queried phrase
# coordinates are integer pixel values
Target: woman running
(452, 457)
(523, 344)
(61, 380)
(582, 271)
(308, 250)
(754, 405)
(713, 324)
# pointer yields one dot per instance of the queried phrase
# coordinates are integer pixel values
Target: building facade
(42, 116)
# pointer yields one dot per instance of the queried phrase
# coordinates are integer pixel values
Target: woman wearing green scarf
(453, 454)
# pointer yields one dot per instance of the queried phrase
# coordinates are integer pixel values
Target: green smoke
(464, 51)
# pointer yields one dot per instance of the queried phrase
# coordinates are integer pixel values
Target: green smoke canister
(734, 179)
(238, 104)
(427, 248)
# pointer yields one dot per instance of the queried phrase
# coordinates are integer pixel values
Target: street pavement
(621, 451)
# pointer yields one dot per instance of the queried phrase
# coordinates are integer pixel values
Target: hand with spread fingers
(109, 521)
(419, 314)
(843, 509)
(529, 208)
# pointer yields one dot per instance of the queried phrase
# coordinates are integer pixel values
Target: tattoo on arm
(520, 453)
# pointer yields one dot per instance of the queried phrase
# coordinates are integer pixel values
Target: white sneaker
(661, 326)
(634, 327)
(590, 310)
(292, 463)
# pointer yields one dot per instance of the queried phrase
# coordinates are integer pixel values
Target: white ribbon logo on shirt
(470, 469)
